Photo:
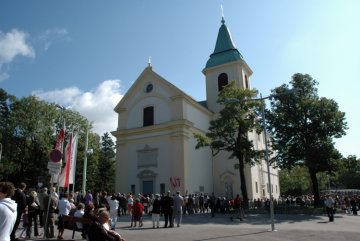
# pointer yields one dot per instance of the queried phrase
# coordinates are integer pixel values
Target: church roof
(225, 50)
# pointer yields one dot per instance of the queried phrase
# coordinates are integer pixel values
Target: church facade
(155, 146)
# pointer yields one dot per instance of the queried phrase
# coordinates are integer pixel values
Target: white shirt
(64, 206)
(8, 213)
(114, 205)
(79, 214)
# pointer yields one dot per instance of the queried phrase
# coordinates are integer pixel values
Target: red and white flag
(67, 175)
(59, 141)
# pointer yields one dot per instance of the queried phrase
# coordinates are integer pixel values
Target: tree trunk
(315, 188)
(243, 181)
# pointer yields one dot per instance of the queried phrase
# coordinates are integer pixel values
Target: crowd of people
(44, 207)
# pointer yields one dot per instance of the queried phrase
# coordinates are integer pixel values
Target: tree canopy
(302, 128)
(28, 131)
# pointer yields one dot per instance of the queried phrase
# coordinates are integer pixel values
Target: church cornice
(241, 63)
(177, 126)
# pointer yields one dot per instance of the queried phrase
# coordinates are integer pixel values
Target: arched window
(246, 82)
(222, 81)
(148, 116)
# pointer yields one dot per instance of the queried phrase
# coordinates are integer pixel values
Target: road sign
(54, 167)
(55, 155)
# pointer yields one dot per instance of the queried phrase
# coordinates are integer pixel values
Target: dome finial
(222, 14)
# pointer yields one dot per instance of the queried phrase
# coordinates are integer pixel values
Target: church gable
(151, 100)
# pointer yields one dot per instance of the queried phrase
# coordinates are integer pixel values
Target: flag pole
(85, 162)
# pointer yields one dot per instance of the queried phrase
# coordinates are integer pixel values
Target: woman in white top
(79, 213)
(130, 203)
(64, 209)
(114, 206)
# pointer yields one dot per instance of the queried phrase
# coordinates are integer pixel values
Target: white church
(155, 146)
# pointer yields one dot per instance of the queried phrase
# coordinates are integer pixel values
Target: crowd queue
(43, 208)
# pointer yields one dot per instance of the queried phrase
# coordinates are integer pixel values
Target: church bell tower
(224, 65)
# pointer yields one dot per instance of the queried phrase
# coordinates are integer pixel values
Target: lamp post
(0, 150)
(268, 165)
(62, 108)
(262, 99)
(85, 163)
(87, 152)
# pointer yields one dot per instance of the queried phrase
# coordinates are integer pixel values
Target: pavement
(202, 227)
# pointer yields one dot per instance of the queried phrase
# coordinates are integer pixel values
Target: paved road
(201, 227)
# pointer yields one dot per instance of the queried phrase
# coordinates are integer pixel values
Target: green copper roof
(225, 50)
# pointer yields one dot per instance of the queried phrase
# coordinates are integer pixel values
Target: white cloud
(13, 44)
(97, 106)
(48, 36)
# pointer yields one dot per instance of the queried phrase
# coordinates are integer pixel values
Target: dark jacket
(156, 206)
(166, 204)
(20, 199)
(97, 232)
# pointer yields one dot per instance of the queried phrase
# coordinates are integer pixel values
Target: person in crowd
(90, 214)
(103, 201)
(73, 207)
(353, 205)
(79, 213)
(167, 204)
(212, 203)
(64, 209)
(330, 205)
(123, 204)
(177, 212)
(98, 232)
(50, 225)
(55, 194)
(206, 203)
(20, 198)
(8, 210)
(156, 209)
(130, 202)
(41, 197)
(238, 206)
(33, 207)
(201, 203)
(118, 198)
(88, 197)
(114, 206)
(138, 209)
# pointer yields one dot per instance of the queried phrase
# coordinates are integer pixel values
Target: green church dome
(225, 50)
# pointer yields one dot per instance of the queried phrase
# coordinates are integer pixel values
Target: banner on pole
(67, 175)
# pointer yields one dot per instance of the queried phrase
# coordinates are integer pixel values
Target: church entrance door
(148, 187)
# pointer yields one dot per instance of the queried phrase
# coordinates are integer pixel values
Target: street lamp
(234, 100)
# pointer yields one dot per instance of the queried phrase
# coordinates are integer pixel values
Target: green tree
(229, 132)
(302, 128)
(28, 130)
(106, 166)
(349, 174)
(294, 182)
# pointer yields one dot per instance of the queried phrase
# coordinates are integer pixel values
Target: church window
(162, 187)
(246, 82)
(132, 188)
(222, 81)
(148, 116)
(256, 187)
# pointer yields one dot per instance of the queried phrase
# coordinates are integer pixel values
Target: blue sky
(86, 54)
